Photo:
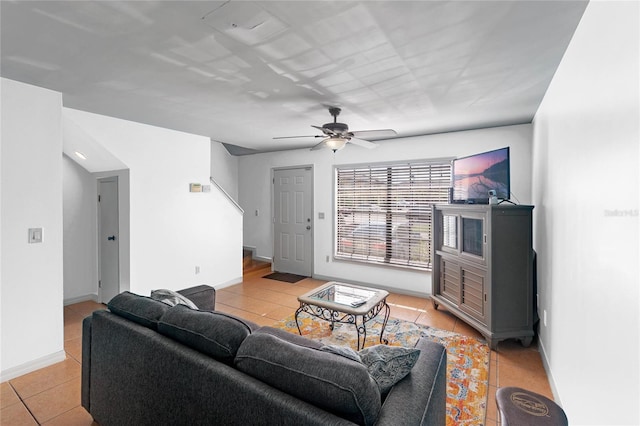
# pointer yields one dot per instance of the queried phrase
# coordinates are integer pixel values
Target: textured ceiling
(243, 72)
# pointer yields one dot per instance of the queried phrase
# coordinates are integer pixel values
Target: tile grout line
(26, 407)
(79, 405)
(48, 389)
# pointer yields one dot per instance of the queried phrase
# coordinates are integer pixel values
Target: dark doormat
(284, 276)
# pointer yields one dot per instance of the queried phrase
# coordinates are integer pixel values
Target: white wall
(80, 233)
(31, 328)
(171, 230)
(224, 169)
(255, 193)
(585, 187)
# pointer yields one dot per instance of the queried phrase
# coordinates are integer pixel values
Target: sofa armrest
(203, 296)
(86, 362)
(419, 398)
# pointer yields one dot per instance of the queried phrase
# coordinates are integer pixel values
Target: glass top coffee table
(346, 303)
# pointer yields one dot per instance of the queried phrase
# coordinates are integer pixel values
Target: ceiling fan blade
(380, 133)
(324, 130)
(318, 146)
(363, 143)
(294, 137)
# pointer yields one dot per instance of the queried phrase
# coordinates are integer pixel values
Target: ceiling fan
(337, 135)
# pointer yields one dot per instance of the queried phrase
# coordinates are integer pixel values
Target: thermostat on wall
(35, 235)
(195, 187)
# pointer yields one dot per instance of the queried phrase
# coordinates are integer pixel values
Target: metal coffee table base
(359, 320)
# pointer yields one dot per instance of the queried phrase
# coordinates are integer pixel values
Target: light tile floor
(51, 396)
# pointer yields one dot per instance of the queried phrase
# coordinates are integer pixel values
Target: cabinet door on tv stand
(450, 280)
(473, 237)
(473, 297)
(448, 231)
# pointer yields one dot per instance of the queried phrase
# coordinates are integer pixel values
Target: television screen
(474, 176)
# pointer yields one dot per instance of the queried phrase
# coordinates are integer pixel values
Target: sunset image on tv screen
(474, 176)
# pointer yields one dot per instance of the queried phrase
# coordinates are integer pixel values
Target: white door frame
(100, 236)
(311, 213)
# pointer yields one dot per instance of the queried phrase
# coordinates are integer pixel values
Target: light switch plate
(35, 235)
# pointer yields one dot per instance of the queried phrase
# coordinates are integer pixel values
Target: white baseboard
(228, 283)
(547, 369)
(381, 287)
(28, 367)
(93, 297)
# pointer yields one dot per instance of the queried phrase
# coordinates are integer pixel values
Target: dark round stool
(520, 407)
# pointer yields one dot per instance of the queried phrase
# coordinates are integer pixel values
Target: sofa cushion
(334, 383)
(172, 298)
(388, 364)
(296, 339)
(344, 351)
(139, 309)
(216, 334)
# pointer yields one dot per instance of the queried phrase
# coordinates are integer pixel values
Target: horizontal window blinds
(383, 212)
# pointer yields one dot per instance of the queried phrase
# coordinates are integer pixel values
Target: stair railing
(226, 194)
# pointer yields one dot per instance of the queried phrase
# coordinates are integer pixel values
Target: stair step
(257, 273)
(254, 267)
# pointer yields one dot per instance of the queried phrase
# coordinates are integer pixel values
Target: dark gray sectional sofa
(147, 363)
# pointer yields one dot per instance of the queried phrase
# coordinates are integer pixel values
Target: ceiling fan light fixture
(335, 143)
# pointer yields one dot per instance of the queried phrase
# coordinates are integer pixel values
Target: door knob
(308, 227)
(111, 238)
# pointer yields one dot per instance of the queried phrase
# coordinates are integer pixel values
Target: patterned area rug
(467, 358)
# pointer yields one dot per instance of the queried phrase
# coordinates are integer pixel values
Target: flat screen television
(474, 176)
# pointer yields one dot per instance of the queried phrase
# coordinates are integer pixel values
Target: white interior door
(109, 239)
(293, 225)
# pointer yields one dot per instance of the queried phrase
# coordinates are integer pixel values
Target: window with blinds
(383, 212)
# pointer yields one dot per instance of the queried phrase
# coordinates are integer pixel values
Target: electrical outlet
(327, 258)
(197, 269)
